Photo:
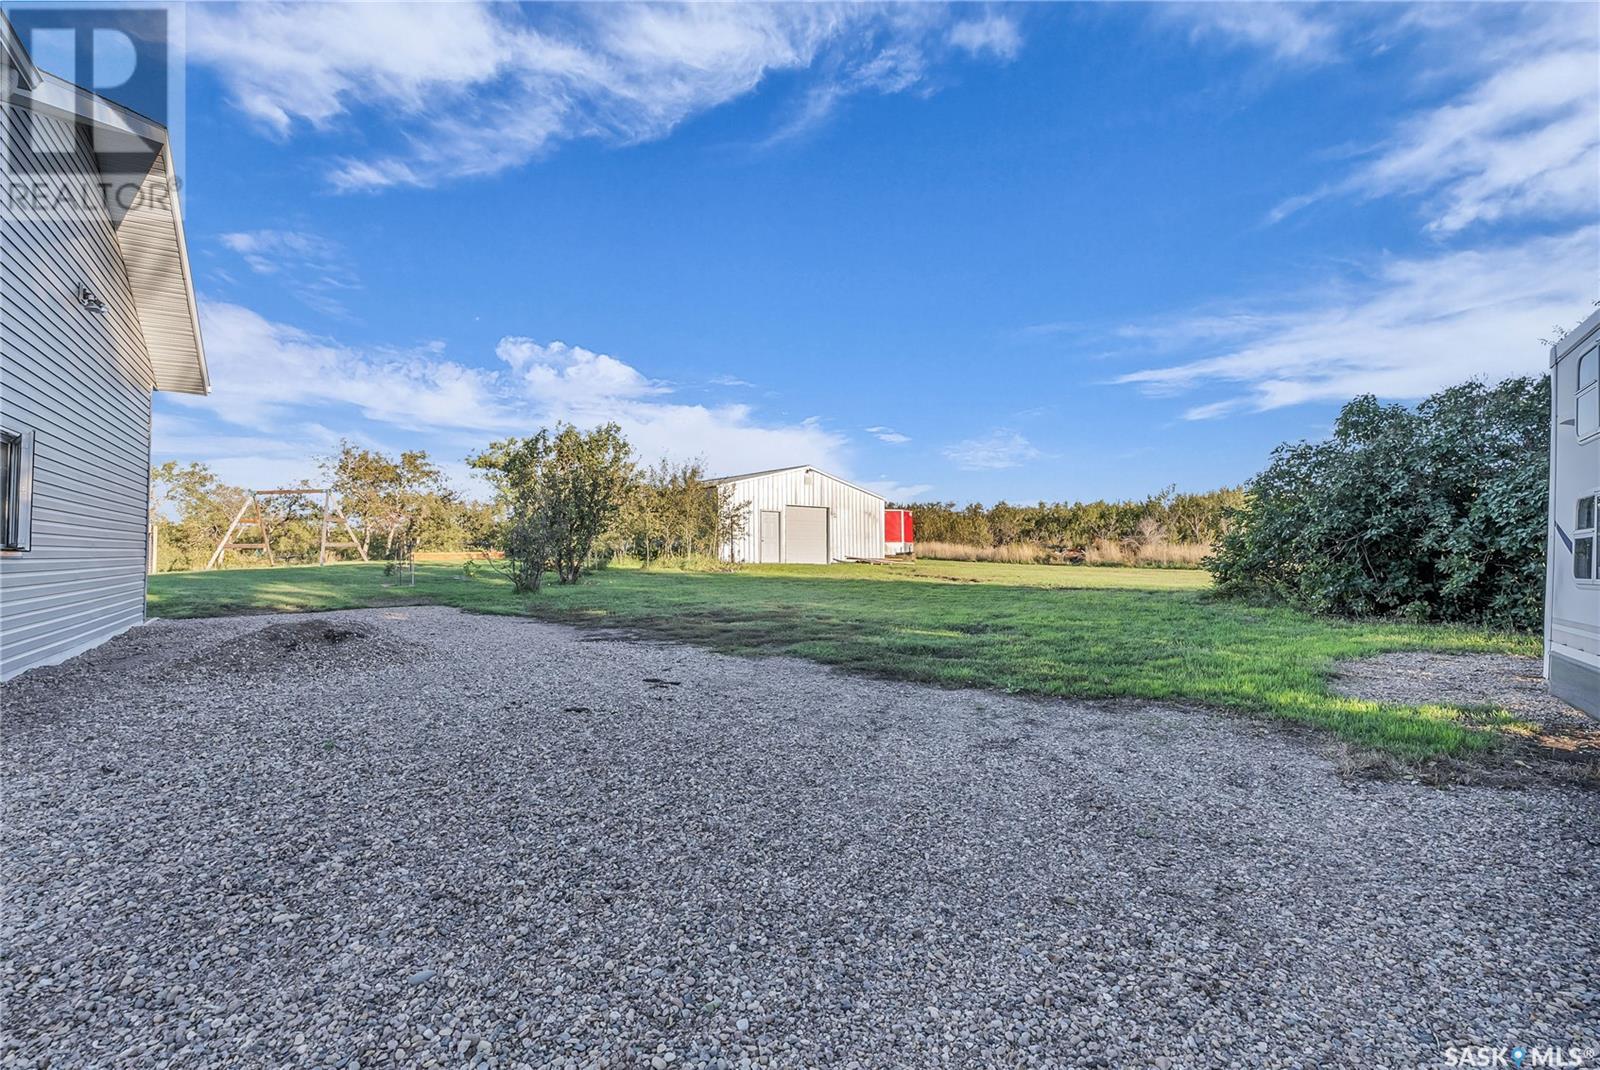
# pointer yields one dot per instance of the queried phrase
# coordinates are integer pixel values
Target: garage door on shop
(805, 535)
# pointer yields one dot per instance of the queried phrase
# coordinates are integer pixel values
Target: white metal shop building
(803, 515)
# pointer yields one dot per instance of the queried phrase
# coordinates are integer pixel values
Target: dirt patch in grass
(1487, 688)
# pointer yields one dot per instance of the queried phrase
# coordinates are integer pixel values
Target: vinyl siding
(855, 524)
(81, 382)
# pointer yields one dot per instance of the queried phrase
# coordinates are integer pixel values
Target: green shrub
(1432, 513)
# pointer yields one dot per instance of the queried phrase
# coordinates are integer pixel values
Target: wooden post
(350, 532)
(227, 536)
(261, 520)
(322, 546)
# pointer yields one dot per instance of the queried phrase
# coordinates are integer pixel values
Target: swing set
(261, 539)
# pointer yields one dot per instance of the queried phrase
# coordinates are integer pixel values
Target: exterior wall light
(90, 300)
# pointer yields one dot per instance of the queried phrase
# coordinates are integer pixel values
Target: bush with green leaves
(559, 490)
(677, 515)
(1431, 513)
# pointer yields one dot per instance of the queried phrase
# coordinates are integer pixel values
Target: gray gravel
(450, 840)
(1494, 681)
(1419, 677)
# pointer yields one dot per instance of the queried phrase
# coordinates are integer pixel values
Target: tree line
(1076, 531)
(564, 500)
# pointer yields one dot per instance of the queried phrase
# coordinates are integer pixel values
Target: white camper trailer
(1572, 570)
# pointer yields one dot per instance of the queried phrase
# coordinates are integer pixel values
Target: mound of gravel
(514, 847)
(314, 642)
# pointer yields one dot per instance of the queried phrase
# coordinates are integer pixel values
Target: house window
(1583, 538)
(16, 489)
(1589, 394)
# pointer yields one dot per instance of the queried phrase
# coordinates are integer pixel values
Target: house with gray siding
(97, 310)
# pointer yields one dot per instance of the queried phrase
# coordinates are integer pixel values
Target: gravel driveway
(413, 836)
(1497, 681)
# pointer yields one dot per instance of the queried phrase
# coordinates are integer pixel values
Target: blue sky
(968, 252)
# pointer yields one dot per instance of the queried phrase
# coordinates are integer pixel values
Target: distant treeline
(564, 500)
(1097, 531)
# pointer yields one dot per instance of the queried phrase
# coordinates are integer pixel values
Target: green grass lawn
(1054, 630)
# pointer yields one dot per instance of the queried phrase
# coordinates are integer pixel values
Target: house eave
(149, 232)
(17, 57)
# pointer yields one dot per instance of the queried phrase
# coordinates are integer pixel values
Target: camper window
(1583, 539)
(1589, 394)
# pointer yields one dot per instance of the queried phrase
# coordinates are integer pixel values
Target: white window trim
(1591, 532)
(1582, 392)
(25, 440)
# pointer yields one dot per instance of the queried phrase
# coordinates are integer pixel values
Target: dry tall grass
(1172, 554)
(1105, 552)
(1157, 554)
(1026, 553)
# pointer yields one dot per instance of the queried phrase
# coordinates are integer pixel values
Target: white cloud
(312, 267)
(260, 369)
(889, 435)
(1510, 134)
(251, 460)
(1293, 32)
(571, 376)
(474, 89)
(268, 251)
(998, 449)
(281, 388)
(311, 62)
(1413, 327)
(1524, 142)
(993, 34)
(1514, 133)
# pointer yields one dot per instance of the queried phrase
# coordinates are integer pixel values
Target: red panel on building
(897, 528)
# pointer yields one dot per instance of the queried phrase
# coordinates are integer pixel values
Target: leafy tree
(402, 498)
(558, 491)
(192, 510)
(943, 522)
(1436, 512)
(677, 513)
